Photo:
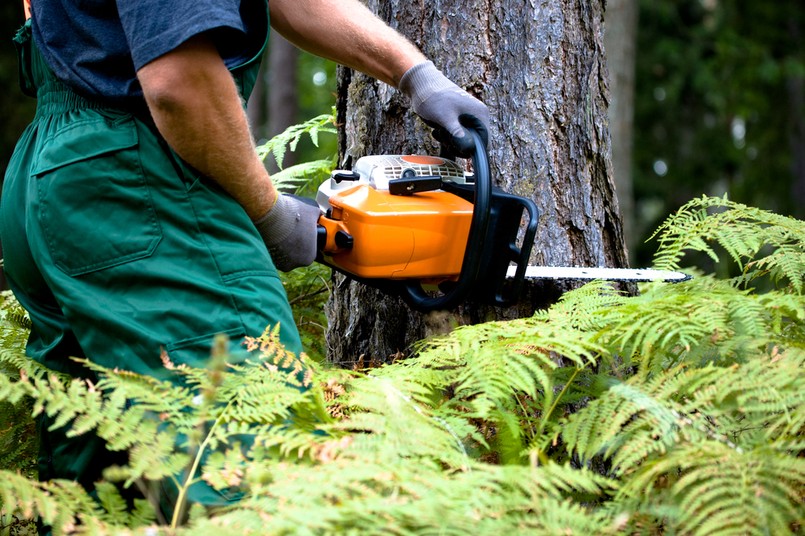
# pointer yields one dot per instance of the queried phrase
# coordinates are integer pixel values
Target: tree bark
(540, 68)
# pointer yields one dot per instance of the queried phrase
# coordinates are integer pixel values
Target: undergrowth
(676, 411)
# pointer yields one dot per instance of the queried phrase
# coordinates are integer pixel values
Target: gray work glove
(446, 107)
(290, 231)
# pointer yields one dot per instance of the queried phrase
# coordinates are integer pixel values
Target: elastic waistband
(55, 98)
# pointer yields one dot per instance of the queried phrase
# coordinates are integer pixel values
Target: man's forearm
(346, 32)
(196, 107)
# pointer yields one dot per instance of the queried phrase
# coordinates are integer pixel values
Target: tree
(540, 68)
(274, 103)
(293, 86)
(620, 39)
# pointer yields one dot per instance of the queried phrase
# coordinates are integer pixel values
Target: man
(136, 215)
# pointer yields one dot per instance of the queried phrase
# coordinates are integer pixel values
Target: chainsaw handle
(414, 294)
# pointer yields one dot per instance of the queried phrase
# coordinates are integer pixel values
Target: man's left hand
(446, 107)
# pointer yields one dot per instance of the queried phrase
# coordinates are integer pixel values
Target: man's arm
(346, 32)
(197, 109)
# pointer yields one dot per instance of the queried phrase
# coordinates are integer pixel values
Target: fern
(679, 410)
(18, 438)
(719, 489)
(308, 289)
(382, 496)
(60, 504)
(298, 176)
(15, 322)
(116, 511)
(688, 426)
(701, 321)
(743, 232)
(495, 371)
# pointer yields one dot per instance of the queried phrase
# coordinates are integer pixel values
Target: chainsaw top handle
(413, 293)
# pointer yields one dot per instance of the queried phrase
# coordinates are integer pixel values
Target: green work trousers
(119, 251)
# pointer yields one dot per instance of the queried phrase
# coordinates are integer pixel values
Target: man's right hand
(290, 231)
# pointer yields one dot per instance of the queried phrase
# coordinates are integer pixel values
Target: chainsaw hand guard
(414, 294)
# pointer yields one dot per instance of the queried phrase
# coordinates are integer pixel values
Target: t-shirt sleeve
(155, 27)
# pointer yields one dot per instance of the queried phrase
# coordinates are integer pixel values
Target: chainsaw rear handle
(413, 293)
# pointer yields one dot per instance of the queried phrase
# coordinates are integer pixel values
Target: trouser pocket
(95, 207)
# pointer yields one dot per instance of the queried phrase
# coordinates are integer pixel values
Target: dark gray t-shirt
(96, 46)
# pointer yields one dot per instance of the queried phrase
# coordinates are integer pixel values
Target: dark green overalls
(118, 249)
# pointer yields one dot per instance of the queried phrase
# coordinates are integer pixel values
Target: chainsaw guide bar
(608, 274)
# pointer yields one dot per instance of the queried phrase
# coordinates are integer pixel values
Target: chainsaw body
(422, 228)
(374, 233)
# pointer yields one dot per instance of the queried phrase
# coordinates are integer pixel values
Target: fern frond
(493, 361)
(68, 509)
(279, 144)
(115, 509)
(12, 313)
(743, 232)
(720, 489)
(640, 418)
(581, 308)
(15, 325)
(722, 438)
(696, 322)
(58, 503)
(400, 497)
(299, 176)
(510, 375)
(394, 422)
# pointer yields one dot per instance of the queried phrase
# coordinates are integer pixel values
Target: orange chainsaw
(422, 228)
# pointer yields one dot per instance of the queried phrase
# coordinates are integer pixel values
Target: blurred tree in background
(620, 40)
(293, 86)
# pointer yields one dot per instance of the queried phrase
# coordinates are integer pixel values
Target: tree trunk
(540, 68)
(620, 38)
(796, 98)
(274, 102)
